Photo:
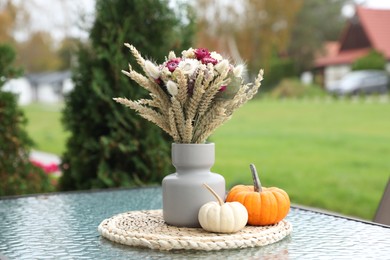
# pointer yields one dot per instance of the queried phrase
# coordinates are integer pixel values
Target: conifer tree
(109, 145)
(17, 174)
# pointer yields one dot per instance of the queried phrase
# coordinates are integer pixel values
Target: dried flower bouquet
(191, 95)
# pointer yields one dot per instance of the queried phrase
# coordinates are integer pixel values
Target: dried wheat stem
(222, 76)
(146, 83)
(182, 94)
(238, 100)
(146, 112)
(208, 122)
(140, 79)
(208, 97)
(190, 112)
(188, 128)
(155, 90)
(208, 77)
(193, 104)
(149, 102)
(137, 55)
(162, 103)
(179, 116)
(173, 126)
(209, 130)
(256, 86)
(245, 93)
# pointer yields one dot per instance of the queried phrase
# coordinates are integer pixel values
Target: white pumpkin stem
(255, 177)
(220, 201)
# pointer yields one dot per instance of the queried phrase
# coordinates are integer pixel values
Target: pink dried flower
(207, 60)
(172, 64)
(223, 88)
(202, 53)
(159, 81)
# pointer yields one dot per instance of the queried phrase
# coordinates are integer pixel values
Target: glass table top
(64, 226)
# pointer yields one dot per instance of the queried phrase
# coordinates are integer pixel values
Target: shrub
(111, 146)
(288, 88)
(280, 68)
(17, 174)
(374, 60)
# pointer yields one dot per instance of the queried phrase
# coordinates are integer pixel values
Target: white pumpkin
(222, 217)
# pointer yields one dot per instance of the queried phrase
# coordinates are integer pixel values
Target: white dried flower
(188, 66)
(165, 71)
(221, 66)
(210, 70)
(237, 71)
(190, 53)
(216, 56)
(152, 70)
(172, 88)
(171, 55)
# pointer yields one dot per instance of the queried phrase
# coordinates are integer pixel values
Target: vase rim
(182, 144)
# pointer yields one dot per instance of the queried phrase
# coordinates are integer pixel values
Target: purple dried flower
(172, 64)
(207, 60)
(201, 53)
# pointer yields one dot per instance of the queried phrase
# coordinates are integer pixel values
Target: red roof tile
(345, 57)
(332, 49)
(376, 24)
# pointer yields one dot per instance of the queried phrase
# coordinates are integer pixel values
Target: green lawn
(333, 155)
(45, 128)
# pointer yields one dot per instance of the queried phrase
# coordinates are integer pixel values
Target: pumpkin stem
(220, 201)
(255, 177)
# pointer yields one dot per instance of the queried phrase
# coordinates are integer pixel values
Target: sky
(380, 4)
(375, 3)
(62, 18)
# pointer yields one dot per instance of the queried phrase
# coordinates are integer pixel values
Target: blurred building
(47, 87)
(368, 29)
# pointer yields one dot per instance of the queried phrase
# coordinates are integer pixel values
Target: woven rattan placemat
(147, 229)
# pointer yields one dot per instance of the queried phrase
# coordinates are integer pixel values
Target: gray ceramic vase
(183, 191)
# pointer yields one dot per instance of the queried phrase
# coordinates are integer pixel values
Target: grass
(329, 155)
(332, 155)
(45, 128)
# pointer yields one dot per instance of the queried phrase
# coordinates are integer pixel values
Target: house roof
(51, 78)
(344, 57)
(376, 26)
(332, 48)
(368, 29)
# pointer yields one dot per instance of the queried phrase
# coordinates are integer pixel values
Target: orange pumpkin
(265, 206)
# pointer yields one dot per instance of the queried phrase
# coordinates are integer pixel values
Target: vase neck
(193, 156)
(192, 171)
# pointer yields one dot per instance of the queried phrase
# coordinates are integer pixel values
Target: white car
(363, 81)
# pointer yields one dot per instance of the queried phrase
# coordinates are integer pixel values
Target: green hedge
(374, 60)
